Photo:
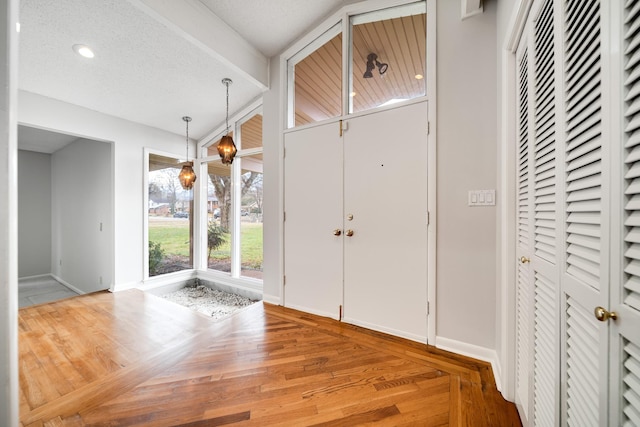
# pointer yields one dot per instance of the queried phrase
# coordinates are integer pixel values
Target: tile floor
(41, 290)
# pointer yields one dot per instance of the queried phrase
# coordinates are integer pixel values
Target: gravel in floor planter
(211, 302)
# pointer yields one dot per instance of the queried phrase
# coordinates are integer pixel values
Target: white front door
(313, 218)
(386, 209)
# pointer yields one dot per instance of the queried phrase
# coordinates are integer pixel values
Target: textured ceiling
(271, 25)
(143, 70)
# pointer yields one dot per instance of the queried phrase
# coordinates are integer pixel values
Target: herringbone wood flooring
(131, 358)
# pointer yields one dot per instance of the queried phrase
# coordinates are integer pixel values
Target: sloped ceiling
(158, 60)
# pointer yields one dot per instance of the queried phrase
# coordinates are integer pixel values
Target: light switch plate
(482, 197)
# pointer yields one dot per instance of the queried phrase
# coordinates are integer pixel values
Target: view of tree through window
(234, 209)
(170, 220)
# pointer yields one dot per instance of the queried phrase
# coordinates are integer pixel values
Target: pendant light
(226, 148)
(187, 175)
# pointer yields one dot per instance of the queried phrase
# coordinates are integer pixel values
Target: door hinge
(340, 128)
(284, 216)
(284, 152)
(428, 218)
(340, 312)
(284, 280)
(427, 308)
(428, 128)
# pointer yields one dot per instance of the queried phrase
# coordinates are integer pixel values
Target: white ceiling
(154, 62)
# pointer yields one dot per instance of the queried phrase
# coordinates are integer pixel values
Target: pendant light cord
(187, 140)
(227, 119)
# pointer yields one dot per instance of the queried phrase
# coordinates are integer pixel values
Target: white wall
(82, 215)
(8, 213)
(34, 211)
(466, 140)
(129, 140)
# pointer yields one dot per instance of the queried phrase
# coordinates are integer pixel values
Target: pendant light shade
(226, 148)
(187, 176)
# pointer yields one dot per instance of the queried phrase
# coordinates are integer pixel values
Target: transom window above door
(384, 52)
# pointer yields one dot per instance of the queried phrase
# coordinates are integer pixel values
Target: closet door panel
(625, 343)
(585, 277)
(524, 233)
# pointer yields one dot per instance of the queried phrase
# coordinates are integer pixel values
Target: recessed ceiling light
(419, 77)
(83, 50)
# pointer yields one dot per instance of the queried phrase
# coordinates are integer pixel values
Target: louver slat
(631, 280)
(582, 366)
(583, 126)
(631, 385)
(523, 183)
(544, 353)
(545, 135)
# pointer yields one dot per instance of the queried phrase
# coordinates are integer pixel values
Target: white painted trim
(32, 278)
(67, 284)
(516, 24)
(9, 366)
(475, 352)
(469, 8)
(271, 299)
(244, 283)
(505, 364)
(432, 172)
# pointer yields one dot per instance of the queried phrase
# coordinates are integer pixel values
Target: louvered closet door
(546, 203)
(524, 233)
(625, 296)
(585, 277)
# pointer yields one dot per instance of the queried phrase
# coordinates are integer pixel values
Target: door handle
(337, 232)
(524, 259)
(603, 315)
(349, 233)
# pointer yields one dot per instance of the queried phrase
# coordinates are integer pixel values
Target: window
(234, 202)
(387, 65)
(317, 79)
(169, 219)
(388, 56)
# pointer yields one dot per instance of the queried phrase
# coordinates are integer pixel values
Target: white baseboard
(476, 352)
(68, 285)
(34, 278)
(271, 299)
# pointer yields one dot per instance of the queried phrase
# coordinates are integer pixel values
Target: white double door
(356, 221)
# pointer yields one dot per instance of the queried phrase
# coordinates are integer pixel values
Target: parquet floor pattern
(133, 359)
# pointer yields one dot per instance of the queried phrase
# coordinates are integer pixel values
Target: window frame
(147, 152)
(324, 32)
(200, 240)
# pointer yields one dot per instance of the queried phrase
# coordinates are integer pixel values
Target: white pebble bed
(211, 302)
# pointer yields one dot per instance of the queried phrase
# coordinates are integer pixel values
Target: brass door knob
(349, 233)
(524, 259)
(603, 315)
(337, 232)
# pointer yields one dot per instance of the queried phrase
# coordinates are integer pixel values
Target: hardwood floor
(131, 358)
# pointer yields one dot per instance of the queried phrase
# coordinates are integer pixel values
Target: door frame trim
(505, 374)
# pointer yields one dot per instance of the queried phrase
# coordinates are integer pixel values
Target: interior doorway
(65, 209)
